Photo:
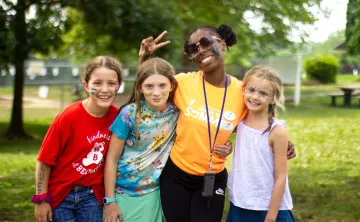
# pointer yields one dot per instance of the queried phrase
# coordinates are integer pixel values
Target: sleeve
(244, 109)
(122, 125)
(55, 141)
(181, 79)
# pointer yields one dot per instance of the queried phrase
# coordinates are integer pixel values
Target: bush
(322, 68)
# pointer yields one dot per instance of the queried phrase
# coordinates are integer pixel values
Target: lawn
(56, 92)
(324, 177)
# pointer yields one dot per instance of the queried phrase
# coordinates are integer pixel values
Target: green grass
(55, 91)
(17, 167)
(341, 79)
(324, 177)
(347, 79)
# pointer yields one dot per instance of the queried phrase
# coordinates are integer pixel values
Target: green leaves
(125, 23)
(353, 27)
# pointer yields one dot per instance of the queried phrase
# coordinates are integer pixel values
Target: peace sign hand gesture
(149, 46)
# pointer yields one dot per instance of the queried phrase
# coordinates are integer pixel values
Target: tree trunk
(21, 51)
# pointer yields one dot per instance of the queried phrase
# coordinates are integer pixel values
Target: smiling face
(208, 59)
(258, 94)
(102, 87)
(156, 89)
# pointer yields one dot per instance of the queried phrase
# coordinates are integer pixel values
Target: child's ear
(172, 87)
(85, 84)
(243, 88)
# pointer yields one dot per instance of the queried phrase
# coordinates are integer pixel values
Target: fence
(60, 80)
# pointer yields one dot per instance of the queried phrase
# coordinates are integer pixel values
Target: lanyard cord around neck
(208, 119)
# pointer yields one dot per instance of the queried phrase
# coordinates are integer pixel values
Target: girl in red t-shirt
(70, 167)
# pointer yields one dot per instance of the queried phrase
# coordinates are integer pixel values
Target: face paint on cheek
(93, 90)
(148, 94)
(215, 50)
(118, 89)
(165, 92)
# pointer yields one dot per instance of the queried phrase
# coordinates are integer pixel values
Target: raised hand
(149, 46)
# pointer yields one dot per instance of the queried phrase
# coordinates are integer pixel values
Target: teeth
(104, 97)
(253, 103)
(206, 59)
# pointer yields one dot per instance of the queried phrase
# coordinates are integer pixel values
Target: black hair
(225, 32)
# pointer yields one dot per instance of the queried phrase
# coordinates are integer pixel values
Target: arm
(149, 46)
(42, 173)
(279, 142)
(112, 211)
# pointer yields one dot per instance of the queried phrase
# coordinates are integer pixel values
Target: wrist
(143, 58)
(39, 198)
(107, 200)
(270, 219)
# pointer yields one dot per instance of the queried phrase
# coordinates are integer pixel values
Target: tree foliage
(119, 26)
(353, 27)
(95, 27)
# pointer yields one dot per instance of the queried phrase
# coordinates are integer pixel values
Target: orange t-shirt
(191, 151)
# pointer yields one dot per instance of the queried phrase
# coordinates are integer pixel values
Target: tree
(19, 37)
(114, 27)
(117, 27)
(353, 27)
(278, 19)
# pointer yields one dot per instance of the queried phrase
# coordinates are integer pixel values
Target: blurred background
(313, 44)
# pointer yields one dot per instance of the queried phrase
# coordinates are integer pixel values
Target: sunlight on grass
(347, 79)
(324, 177)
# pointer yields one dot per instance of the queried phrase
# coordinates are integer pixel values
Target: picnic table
(348, 92)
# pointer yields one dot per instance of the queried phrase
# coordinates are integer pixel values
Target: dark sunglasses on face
(205, 43)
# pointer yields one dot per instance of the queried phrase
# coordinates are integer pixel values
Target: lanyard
(208, 119)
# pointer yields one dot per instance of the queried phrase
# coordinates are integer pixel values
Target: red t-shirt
(75, 146)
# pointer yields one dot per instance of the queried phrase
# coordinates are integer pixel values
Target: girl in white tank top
(258, 181)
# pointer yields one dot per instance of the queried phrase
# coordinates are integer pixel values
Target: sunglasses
(205, 43)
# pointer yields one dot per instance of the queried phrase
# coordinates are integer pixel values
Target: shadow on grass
(325, 195)
(15, 193)
(37, 129)
(322, 195)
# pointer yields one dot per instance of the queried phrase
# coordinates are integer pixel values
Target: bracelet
(39, 198)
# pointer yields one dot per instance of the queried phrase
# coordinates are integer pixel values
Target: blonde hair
(266, 73)
(153, 66)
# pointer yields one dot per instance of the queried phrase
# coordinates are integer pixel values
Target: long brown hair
(265, 72)
(153, 66)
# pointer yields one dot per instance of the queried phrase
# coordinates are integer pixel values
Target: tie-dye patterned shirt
(142, 161)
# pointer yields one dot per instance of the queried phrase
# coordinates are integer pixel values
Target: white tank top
(251, 179)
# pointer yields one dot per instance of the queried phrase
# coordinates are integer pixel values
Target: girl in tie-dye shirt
(143, 134)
